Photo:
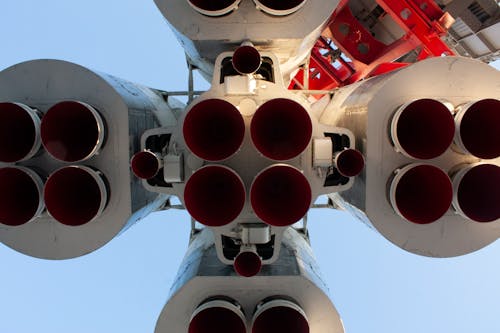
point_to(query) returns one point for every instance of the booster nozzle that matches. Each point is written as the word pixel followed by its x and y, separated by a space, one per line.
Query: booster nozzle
pixel 217 316
pixel 214 8
pixel 421 193
pixel 280 316
pixel 75 195
pixel 19 132
pixel 21 198
pixel 476 194
pixel 423 129
pixel 72 131
pixel 478 128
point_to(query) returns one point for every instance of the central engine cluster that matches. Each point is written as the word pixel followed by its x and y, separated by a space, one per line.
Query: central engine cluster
pixel 248 157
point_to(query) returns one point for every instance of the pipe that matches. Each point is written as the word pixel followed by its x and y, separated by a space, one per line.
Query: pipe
pixel 280 195
pixel 421 193
pixel 145 164
pixel 72 131
pixel 19 132
pixel 279 7
pixel 247 263
pixel 278 316
pixel 281 129
pixel 349 162
pixel 217 316
pixel 213 129
pixel 21 198
pixel 214 8
pixel 476 194
pixel 422 129
pixel 75 195
pixel 246 59
pixel 478 128
pixel 214 195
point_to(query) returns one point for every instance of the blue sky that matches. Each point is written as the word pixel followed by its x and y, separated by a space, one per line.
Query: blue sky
pixel 376 287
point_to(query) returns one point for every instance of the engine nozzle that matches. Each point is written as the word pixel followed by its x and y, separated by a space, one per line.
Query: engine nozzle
pixel 423 129
pixel 279 7
pixel 72 131
pixel 19 132
pixel 349 162
pixel 281 129
pixel 421 193
pixel 214 129
pixel 218 316
pixel 477 192
pixel 75 195
pixel 145 164
pixel 247 263
pixel 214 195
pixel 280 316
pixel 214 8
pixel 478 128
pixel 280 195
pixel 20 195
pixel 246 59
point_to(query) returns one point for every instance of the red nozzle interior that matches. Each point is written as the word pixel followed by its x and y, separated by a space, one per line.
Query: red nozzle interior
pixel 18 132
pixel 145 165
pixel 280 319
pixel 214 195
pixel 212 6
pixel 280 195
pixel 281 129
pixel 247 264
pixel 350 162
pixel 246 59
pixel 214 129
pixel 281 4
pixel 424 194
pixel 71 131
pixel 73 196
pixel 19 197
pixel 479 193
pixel 480 129
pixel 425 129
pixel 217 320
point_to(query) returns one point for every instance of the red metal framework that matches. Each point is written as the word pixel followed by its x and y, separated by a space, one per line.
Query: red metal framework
pixel 347 52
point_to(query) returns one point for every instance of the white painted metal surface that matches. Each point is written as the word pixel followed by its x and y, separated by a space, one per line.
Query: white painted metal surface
pixel 127 109
pixel 366 108
pixel 290 37
pixel 295 274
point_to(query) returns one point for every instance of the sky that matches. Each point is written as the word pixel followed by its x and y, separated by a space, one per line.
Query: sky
pixel 122 287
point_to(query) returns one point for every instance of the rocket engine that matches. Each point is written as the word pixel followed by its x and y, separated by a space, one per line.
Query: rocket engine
pixel 430 135
pixel 248 159
pixel 66 136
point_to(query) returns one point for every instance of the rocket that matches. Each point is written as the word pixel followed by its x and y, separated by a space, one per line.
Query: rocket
pixel 413 152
